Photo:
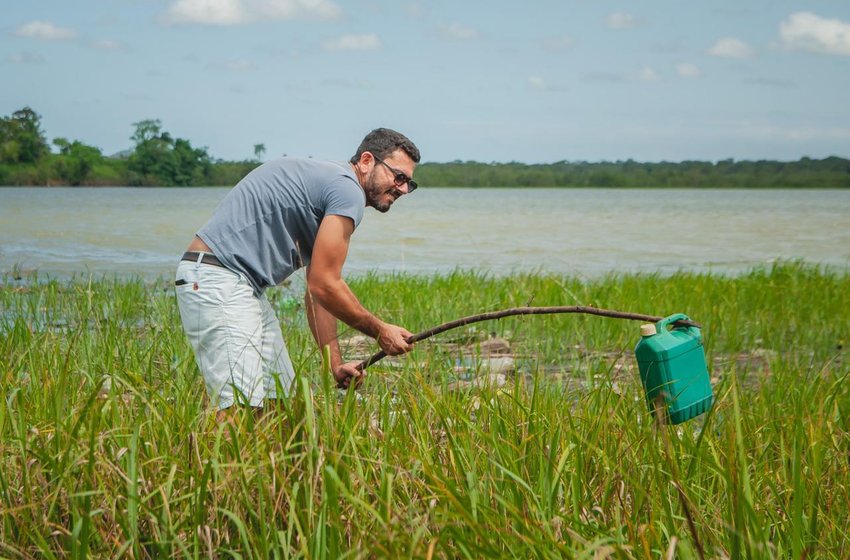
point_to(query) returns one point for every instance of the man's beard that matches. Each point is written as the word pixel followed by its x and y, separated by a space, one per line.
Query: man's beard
pixel 376 195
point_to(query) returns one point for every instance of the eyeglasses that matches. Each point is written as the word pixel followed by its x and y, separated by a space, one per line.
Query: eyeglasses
pixel 399 178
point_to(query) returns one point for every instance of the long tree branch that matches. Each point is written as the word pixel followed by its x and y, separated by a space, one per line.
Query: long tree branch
pixel 524 311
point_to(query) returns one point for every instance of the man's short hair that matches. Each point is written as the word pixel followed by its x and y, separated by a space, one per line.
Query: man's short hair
pixel 382 142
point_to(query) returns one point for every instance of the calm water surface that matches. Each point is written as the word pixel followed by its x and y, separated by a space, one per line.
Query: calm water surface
pixel 63 231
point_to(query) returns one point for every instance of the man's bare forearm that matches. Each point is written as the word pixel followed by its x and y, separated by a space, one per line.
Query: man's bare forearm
pixel 324 280
pixel 339 301
pixel 323 326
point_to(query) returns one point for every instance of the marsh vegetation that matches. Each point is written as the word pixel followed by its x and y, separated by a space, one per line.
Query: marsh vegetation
pixel 108 448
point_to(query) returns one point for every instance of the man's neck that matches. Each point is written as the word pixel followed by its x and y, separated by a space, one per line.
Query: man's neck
pixel 357 174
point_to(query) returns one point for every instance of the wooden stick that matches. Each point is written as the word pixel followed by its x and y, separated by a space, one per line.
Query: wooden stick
pixel 524 311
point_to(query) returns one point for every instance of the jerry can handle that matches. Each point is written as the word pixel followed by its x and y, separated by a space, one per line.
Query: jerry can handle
pixel 661 325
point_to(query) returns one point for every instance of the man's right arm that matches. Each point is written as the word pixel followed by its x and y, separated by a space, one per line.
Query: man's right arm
pixel 324 280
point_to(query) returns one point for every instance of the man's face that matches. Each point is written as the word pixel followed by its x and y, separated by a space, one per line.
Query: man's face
pixel 380 183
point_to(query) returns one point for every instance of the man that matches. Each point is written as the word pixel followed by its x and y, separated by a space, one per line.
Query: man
pixel 287 213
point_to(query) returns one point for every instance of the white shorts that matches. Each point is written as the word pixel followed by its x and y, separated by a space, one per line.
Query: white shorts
pixel 236 337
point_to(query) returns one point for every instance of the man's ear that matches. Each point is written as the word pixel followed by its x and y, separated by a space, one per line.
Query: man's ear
pixel 366 160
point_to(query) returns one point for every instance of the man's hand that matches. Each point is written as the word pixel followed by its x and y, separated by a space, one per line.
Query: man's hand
pixel 393 339
pixel 344 374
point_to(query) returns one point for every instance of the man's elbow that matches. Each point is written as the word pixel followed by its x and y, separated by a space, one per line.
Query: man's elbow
pixel 320 289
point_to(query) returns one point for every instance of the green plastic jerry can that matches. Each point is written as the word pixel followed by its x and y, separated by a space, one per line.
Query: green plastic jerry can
pixel 672 369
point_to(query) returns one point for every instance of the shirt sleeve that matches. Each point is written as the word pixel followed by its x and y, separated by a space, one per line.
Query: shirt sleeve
pixel 344 197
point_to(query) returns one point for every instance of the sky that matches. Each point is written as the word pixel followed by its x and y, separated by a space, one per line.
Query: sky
pixel 492 81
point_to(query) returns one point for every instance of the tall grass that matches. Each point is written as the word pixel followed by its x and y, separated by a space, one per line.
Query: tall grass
pixel 109 448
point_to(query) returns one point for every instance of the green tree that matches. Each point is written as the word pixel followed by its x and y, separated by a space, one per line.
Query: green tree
pixel 21 138
pixel 151 158
pixel 76 160
pixel 159 159
pixel 259 150
pixel 191 165
pixel 146 131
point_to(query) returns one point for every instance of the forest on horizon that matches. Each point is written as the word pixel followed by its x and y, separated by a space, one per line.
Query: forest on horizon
pixel 160 159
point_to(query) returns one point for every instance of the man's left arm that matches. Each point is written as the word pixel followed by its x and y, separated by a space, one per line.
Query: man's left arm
pixel 323 326
pixel 336 300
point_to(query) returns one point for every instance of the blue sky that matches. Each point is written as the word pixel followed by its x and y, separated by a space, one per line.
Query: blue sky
pixel 535 81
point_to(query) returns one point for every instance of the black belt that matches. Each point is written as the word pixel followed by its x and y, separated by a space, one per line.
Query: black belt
pixel 207 258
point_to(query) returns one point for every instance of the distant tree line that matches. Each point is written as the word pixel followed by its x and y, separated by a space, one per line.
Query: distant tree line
pixel 159 159
pixel 831 172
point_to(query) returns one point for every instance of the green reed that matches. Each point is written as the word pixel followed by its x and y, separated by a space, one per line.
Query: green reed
pixel 109 448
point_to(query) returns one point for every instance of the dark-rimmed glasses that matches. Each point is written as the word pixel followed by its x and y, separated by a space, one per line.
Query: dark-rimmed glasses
pixel 399 178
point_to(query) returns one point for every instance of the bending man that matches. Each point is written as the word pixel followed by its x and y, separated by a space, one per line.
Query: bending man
pixel 287 213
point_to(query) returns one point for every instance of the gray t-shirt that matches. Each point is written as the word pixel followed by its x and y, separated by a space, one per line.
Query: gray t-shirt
pixel 266 226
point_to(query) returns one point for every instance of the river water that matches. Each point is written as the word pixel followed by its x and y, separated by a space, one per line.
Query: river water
pixel 586 232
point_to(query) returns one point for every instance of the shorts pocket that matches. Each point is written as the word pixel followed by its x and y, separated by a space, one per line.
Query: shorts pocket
pixel 186 276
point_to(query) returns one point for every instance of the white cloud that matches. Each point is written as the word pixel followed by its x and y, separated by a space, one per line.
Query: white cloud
pixel 369 42
pixel 292 9
pixel 731 47
pixel 459 31
pixel 46 31
pixel 621 20
pixel 648 74
pixel 207 12
pixel 559 43
pixel 238 12
pixel 536 82
pixel 687 70
pixel 809 32
pixel 25 58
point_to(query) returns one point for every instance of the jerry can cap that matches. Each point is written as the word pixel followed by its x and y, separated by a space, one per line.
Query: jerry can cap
pixel 648 329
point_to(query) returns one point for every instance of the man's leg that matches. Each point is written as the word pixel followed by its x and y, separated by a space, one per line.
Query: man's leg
pixel 223 321
pixel 278 366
